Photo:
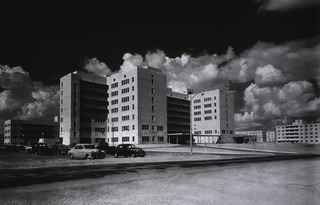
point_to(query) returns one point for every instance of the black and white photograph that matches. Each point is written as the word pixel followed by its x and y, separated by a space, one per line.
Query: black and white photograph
pixel 177 102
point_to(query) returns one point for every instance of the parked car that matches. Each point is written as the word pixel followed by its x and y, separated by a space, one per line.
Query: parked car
pixel 39 148
pixel 104 147
pixel 85 151
pixel 59 149
pixel 131 150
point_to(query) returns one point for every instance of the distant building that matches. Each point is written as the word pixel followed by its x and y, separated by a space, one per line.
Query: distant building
pixel 213 116
pixel 271 136
pixel 178 113
pixel 83 108
pixel 299 132
pixel 137 107
pixel 258 136
pixel 24 132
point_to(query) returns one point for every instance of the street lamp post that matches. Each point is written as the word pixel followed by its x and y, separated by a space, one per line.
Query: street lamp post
pixel 254 131
pixel 191 138
pixel 112 135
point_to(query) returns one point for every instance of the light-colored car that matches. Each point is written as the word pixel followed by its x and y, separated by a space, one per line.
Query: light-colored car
pixel 85 151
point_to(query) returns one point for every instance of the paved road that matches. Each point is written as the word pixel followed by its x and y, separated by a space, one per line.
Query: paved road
pixel 22 177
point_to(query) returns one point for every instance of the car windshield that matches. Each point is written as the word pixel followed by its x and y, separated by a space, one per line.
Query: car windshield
pixel 89 146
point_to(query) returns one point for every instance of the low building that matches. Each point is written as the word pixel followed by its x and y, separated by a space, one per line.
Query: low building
pixel 271 136
pixel 298 132
pixel 24 132
pixel 258 136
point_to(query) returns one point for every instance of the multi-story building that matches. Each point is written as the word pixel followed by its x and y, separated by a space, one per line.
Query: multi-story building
pixel 83 108
pixel 137 106
pixel 271 136
pixel 258 136
pixel 1 132
pixel 178 113
pixel 299 132
pixel 25 132
pixel 212 115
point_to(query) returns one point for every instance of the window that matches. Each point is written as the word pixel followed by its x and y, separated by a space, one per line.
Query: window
pixel 145 139
pixel 208 132
pixel 61 119
pixel 61 92
pixel 197 107
pixel 152 81
pixel 125 90
pixel 114 119
pixel 114 110
pixel 125 99
pixel 132 97
pixel 152 91
pixel 124 82
pixel 197 132
pixel 61 84
pixel 207 99
pixel 197 113
pixel 99 129
pixel 61 101
pixel 113 102
pixel 125 139
pixel 114 85
pixel 125 108
pixel 215 104
pixel 208 118
pixel 114 139
pixel 133 106
pixel 207 111
pixel 126 117
pixel 114 93
pixel 197 119
pixel 145 127
pixel 61 110
pixel 159 127
pixel 114 129
pixel 207 105
pixel 160 139
pixel 153 118
pixel 132 81
pixel 197 101
pixel 125 128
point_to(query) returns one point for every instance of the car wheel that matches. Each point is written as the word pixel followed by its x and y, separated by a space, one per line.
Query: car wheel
pixel 86 156
pixel 133 155
pixel 116 155
pixel 71 156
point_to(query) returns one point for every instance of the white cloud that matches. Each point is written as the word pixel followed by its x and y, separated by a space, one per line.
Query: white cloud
pixel 131 61
pixel 96 67
pixel 283 5
pixel 269 75
pixel 23 99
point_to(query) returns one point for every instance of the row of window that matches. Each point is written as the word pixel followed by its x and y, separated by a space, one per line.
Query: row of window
pixel 147 127
pixel 205 112
pixel 205 99
pixel 123 82
pixel 205 118
pixel 205 106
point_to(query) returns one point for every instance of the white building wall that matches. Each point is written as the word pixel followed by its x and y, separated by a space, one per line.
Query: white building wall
pixel 212 115
pixel 145 112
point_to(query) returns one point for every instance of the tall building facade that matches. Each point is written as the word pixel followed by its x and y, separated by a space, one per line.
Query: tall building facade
pixel 137 107
pixel 271 136
pixel 178 113
pixel 83 108
pixel 299 132
pixel 212 115
pixel 24 132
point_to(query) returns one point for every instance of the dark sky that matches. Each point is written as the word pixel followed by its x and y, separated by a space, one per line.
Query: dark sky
pixel 52 38
pixel 268 49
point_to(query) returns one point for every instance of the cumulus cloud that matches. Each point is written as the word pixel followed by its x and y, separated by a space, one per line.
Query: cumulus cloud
pixel 269 75
pixel 296 99
pixel 131 61
pixel 20 98
pixel 96 67
pixel 284 5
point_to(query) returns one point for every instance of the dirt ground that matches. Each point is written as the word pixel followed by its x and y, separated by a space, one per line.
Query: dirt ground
pixel 294 182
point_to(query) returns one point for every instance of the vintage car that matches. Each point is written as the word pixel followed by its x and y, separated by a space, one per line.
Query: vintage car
pixel 129 150
pixel 39 148
pixel 85 151
pixel 59 149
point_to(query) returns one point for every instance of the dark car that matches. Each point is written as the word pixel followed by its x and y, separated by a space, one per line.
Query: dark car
pixel 131 150
pixel 59 149
pixel 39 148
